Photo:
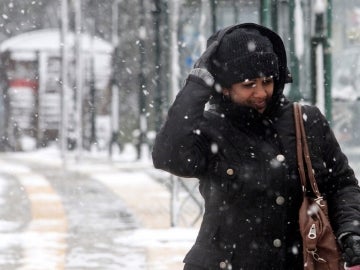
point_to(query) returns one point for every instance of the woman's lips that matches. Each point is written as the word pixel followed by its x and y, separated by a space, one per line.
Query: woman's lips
pixel 260 104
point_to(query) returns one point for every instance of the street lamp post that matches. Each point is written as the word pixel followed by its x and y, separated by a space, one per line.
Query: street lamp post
pixel 79 77
pixel 274 15
pixel 328 63
pixel 321 57
pixel 142 139
pixel 64 79
pixel 92 82
pixel 115 95
pixel 158 90
pixel 265 13
pixel 294 93
pixel 213 8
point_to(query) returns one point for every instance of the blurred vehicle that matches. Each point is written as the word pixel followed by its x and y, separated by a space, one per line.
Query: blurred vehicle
pixel 346 96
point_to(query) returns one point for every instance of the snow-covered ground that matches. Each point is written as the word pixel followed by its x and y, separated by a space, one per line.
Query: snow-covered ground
pixel 151 244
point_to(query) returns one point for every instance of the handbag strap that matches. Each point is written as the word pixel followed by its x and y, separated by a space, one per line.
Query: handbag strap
pixel 303 153
pixel 299 151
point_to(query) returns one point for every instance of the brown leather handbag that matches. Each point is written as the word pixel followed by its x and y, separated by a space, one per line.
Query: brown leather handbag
pixel 320 250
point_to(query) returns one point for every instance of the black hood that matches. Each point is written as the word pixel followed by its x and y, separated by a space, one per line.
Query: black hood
pixel 284 75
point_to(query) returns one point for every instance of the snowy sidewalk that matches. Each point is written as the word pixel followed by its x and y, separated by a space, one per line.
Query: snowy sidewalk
pixel 149 201
pixel 146 198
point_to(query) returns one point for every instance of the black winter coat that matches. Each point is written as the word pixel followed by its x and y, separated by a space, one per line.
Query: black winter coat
pixel 246 164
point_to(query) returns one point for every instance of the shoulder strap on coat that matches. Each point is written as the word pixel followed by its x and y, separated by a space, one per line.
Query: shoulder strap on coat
pixel 303 153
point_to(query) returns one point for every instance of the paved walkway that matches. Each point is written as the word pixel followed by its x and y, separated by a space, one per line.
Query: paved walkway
pixel 147 198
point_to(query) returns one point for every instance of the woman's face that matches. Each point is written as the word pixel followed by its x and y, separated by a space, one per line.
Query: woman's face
pixel 254 93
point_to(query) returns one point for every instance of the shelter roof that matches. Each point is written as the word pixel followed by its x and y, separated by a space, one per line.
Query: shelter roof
pixel 26 45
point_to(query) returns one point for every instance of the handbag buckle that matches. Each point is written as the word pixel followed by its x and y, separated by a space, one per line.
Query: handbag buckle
pixel 319 201
pixel 316 256
pixel 312 232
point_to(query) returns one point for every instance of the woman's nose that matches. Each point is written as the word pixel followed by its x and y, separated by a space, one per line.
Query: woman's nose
pixel 259 90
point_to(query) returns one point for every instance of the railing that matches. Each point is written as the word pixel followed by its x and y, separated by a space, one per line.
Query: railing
pixel 187 205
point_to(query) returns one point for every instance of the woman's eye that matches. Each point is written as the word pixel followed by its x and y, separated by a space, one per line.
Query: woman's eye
pixel 268 80
pixel 250 85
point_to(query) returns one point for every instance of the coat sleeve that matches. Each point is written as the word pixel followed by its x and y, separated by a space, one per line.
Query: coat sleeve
pixel 340 183
pixel 180 148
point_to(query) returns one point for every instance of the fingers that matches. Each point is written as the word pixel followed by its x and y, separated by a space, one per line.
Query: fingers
pixel 351 252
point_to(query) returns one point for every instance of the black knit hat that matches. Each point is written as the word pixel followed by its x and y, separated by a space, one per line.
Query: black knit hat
pixel 244 53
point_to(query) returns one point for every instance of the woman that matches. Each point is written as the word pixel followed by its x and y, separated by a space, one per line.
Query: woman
pixel 243 151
